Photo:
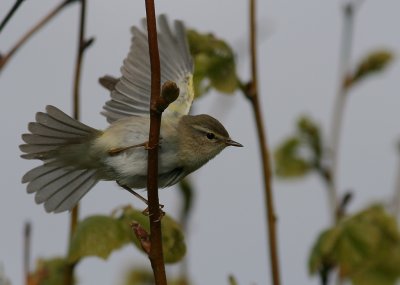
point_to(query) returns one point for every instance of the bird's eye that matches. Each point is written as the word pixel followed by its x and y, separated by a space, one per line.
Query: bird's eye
pixel 210 136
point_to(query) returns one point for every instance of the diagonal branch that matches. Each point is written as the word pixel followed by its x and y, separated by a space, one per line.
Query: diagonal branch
pixel 6 57
pixel 9 15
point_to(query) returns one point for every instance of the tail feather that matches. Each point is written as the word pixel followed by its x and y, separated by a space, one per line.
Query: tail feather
pixel 60 116
pixel 52 123
pixel 36 151
pixel 43 140
pixel 65 178
pixel 39 171
pixel 42 130
pixel 45 179
pixel 65 197
pixel 61 142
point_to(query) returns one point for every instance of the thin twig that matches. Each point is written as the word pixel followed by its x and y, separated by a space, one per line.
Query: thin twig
pixel 252 93
pixel 27 251
pixel 156 252
pixel 7 56
pixel 9 15
pixel 340 102
pixel 339 105
pixel 396 197
pixel 82 45
pixel 338 112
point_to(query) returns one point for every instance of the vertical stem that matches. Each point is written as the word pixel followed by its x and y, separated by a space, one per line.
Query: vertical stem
pixel 156 252
pixel 396 198
pixel 339 105
pixel 82 44
pixel 253 95
pixel 76 94
pixel 13 9
pixel 27 251
pixel 78 64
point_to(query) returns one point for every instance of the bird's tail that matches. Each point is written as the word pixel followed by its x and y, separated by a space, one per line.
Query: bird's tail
pixel 62 143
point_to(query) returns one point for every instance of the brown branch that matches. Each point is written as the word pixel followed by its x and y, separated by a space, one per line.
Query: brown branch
pixel 156 252
pixel 9 15
pixel 83 44
pixel 6 57
pixel 251 91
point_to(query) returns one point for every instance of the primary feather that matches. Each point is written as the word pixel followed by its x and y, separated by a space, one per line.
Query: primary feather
pixel 130 95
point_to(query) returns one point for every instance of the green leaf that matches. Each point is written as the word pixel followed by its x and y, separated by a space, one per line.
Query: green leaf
pixel 323 248
pixel 143 276
pixel 101 235
pixel 374 62
pixel 309 134
pixel 49 272
pixel 139 276
pixel 383 268
pixel 97 236
pixel 365 247
pixel 288 161
pixel 180 281
pixel 302 152
pixel 232 280
pixel 174 246
pixel 214 63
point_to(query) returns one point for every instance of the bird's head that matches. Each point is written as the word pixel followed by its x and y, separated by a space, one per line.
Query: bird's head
pixel 201 138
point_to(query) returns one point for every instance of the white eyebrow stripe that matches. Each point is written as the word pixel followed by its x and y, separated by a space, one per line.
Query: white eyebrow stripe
pixel 206 130
pixel 201 129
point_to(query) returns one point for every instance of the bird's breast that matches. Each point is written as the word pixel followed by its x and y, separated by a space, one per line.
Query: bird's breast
pixel 130 166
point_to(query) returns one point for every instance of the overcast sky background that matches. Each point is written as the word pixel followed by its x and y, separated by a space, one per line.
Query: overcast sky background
pixel 298 60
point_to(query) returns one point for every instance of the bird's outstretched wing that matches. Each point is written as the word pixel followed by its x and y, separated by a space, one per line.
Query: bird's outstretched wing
pixel 130 94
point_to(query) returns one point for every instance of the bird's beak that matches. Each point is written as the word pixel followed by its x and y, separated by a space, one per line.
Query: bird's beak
pixel 233 143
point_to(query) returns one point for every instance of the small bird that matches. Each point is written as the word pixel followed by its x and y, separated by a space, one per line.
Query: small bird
pixel 75 156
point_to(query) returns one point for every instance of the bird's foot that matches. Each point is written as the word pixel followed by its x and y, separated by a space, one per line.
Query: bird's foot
pixel 146 212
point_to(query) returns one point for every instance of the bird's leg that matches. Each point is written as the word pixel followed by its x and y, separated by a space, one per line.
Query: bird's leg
pixel 118 150
pixel 134 193
pixel 140 197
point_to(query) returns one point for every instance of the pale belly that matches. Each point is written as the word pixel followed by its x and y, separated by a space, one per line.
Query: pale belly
pixel 130 166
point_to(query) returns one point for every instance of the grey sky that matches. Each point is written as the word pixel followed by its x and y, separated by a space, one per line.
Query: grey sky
pixel 298 74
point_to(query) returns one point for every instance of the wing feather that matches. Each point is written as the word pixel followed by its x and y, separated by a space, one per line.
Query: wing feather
pixel 130 96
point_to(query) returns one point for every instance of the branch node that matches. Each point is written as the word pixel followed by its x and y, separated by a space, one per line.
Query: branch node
pixel 86 44
pixel 249 90
pixel 169 93
pixel 344 203
pixel 142 235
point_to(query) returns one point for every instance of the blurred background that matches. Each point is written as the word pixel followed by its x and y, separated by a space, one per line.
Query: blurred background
pixel 298 63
